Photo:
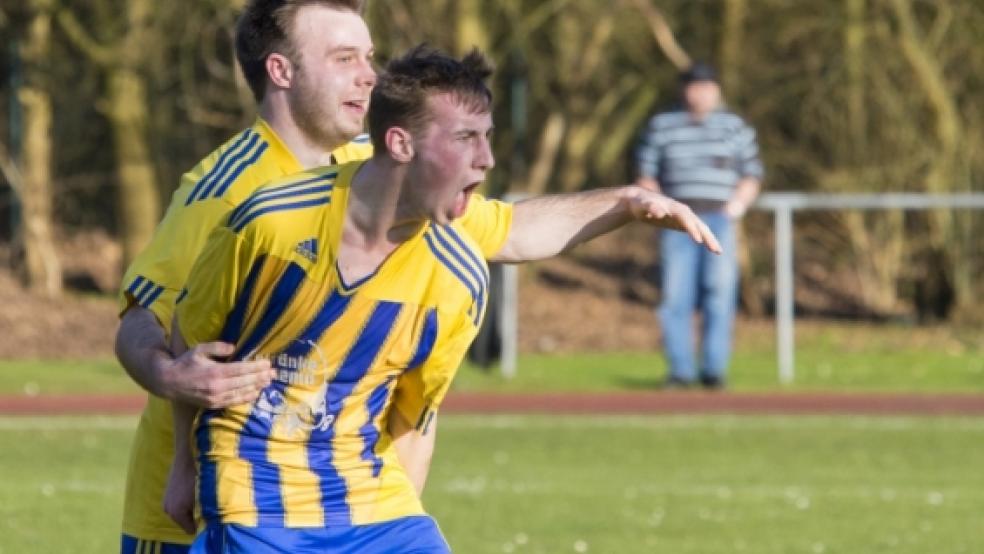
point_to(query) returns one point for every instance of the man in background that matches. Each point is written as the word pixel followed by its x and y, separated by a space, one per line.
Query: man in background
pixel 308 64
pixel 706 157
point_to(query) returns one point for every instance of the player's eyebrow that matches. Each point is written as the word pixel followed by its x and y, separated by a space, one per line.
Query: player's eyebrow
pixel 348 49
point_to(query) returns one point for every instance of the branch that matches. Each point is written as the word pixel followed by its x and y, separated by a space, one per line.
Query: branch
pixel 662 33
pixel 97 53
pixel 10 171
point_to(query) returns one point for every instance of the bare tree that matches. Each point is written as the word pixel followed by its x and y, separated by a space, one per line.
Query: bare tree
pixel 31 176
pixel 125 105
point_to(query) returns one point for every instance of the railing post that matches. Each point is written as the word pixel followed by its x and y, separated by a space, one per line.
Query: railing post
pixel 784 291
pixel 509 320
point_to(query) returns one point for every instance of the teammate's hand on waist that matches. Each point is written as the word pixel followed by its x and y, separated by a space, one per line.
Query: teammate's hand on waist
pixel 197 377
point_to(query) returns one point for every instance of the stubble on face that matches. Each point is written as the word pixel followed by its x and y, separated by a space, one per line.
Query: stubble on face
pixel 320 88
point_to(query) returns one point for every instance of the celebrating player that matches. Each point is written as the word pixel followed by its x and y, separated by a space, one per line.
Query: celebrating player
pixel 363 284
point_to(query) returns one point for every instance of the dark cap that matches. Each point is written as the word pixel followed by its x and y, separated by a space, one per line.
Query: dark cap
pixel 698 71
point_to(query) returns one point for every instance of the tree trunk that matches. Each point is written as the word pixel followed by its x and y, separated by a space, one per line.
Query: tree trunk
pixel 732 43
pixel 126 98
pixel 139 199
pixel 928 74
pixel 551 138
pixel 42 267
pixel 471 31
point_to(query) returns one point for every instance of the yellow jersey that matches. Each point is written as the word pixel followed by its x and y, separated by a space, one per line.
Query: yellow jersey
pixel 313 450
pixel 205 196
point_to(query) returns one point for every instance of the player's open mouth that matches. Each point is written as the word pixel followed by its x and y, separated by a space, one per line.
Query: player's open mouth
pixel 461 202
pixel 356 105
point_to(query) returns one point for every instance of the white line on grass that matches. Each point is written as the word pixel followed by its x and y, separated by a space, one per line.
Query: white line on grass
pixel 714 422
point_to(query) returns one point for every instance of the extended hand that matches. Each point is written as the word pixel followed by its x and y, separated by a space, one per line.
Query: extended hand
pixel 195 377
pixel 179 496
pixel 654 208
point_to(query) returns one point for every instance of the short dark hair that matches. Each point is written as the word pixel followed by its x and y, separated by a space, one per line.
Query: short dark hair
pixel 400 96
pixel 698 72
pixel 265 27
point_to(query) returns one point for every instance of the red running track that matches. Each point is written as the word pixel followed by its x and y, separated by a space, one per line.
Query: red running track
pixel 591 403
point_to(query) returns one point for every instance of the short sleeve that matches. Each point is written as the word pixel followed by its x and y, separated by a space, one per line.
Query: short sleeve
pixel 487 222
pixel 155 278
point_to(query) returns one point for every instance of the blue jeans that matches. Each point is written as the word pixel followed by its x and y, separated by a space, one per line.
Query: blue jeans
pixel 696 279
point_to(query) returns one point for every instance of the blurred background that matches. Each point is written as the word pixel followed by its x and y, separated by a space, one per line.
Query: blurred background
pixel 105 103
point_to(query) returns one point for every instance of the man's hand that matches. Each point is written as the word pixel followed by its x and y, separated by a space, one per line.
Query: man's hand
pixel 196 378
pixel 193 377
pixel 179 496
pixel 662 211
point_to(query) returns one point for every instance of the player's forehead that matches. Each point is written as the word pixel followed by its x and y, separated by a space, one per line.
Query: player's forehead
pixel 455 112
pixel 322 27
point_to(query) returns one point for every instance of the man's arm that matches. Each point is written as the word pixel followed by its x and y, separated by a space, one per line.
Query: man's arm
pixel 746 190
pixel 413 448
pixel 548 225
pixel 648 183
pixel 179 496
pixel 193 377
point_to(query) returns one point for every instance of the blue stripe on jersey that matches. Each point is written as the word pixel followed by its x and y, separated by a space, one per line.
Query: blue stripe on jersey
pixel 370 431
pixel 477 288
pixel 428 336
pixel 136 283
pixel 239 170
pixel 139 295
pixel 221 163
pixel 251 147
pixel 280 208
pixel 149 301
pixel 184 292
pixel 233 327
pixel 476 268
pixel 361 139
pixel 357 363
pixel 253 438
pixel 468 252
pixel 208 479
pixel 292 190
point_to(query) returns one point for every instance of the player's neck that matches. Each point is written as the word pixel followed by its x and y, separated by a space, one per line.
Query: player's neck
pixel 375 200
pixel 308 153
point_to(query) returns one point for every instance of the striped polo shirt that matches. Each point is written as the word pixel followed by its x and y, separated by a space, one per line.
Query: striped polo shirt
pixel 697 160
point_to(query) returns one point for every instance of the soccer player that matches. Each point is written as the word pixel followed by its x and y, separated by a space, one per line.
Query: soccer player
pixel 363 284
pixel 308 63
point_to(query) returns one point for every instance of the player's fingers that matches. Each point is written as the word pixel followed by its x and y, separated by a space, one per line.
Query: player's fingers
pixel 241 395
pixel 711 241
pixel 251 368
pixel 215 349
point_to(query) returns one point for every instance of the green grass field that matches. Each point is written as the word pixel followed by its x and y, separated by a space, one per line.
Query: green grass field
pixel 681 484
pixel 829 356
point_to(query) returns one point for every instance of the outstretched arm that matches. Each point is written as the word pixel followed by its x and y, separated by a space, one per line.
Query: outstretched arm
pixel 548 225
pixel 199 380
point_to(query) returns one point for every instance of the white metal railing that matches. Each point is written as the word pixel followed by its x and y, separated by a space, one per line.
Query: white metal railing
pixel 782 204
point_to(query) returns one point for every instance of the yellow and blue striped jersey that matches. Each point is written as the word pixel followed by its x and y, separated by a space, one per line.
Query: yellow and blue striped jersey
pixel 204 198
pixel 313 450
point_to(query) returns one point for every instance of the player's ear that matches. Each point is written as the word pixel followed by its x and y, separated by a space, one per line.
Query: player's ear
pixel 279 70
pixel 399 143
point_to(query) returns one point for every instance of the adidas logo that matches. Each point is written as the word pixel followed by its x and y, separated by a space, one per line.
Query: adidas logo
pixel 309 249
